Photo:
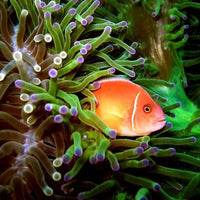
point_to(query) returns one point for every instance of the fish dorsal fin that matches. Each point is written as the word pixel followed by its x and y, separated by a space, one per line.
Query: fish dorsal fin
pixel 134 110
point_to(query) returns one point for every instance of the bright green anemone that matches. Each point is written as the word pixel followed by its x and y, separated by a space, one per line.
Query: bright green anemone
pixel 52 54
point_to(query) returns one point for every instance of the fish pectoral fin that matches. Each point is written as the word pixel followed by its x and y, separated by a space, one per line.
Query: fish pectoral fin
pixel 112 120
pixel 112 116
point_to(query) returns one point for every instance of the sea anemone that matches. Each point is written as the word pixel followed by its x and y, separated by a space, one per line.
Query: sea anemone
pixel 52 55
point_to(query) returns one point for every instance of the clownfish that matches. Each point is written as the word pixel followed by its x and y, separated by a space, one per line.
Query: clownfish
pixel 127 108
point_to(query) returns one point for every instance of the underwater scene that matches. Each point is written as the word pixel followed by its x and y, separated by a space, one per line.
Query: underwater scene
pixel 99 100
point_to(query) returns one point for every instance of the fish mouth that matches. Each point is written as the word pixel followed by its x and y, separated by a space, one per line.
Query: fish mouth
pixel 162 120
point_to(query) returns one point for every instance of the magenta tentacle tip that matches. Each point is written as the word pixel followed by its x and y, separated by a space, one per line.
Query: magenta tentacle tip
pixel 42 4
pixel 179 104
pixel 74 112
pixel 108 29
pixel 66 159
pixel 165 100
pixel 142 60
pixel 100 157
pixel 173 18
pixel 132 74
pixel 83 51
pixel 80 59
pixel 88 46
pixel 72 25
pixel 145 162
pixel 63 110
pixel 116 167
pixel 135 44
pixel 67 177
pixel 55 24
pixel 185 84
pixel 186 36
pixel 169 125
pixel 155 96
pixel 153 14
pixel 185 17
pixel 132 51
pixel 84 22
pixel 57 7
pixel 112 70
pixel 19 84
pixel 108 22
pixel 186 26
pixel 143 198
pixel 193 139
pixel 93 160
pixel 96 3
pixel 110 47
pixel 144 145
pixel 97 84
pixel 53 73
pixel 80 196
pixel 58 118
pixel 47 15
pixel 113 134
pixel 154 150
pixel 124 24
pixel 72 11
pixel 89 18
pixel 139 150
pixel 156 187
pixel 172 151
pixel 33 98
pixel 78 152
pixel 173 85
pixel 77 43
pixel 62 188
pixel 48 107
pixel 142 66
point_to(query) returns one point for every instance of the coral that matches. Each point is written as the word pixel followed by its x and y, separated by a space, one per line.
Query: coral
pixel 52 54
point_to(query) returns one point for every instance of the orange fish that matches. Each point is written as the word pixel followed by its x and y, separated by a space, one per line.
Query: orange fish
pixel 128 108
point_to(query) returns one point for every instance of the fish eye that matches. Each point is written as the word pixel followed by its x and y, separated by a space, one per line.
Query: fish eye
pixel 147 109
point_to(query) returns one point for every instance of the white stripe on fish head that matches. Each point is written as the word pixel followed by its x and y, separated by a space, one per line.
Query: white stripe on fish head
pixel 134 110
